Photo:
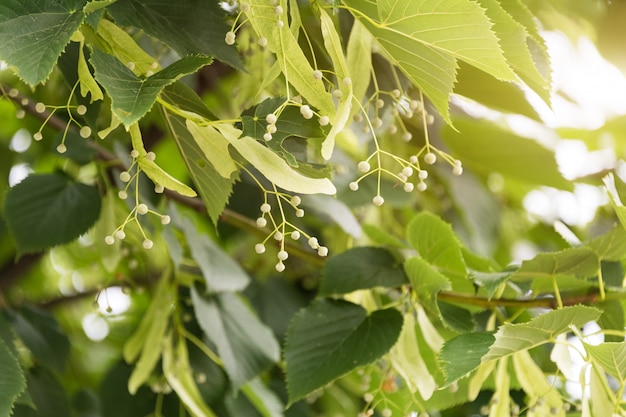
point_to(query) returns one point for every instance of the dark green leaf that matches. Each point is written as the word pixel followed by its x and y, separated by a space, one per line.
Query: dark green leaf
pixel 613 274
pixel 246 346
pixel 41 334
pixel 78 148
pixel 221 273
pixel 457 318
pixel 612 318
pixel 463 354
pixel 186 99
pixel 214 189
pixel 47 393
pixel 46 210
pixel 34 34
pixel 487 148
pixel 12 382
pixel 361 268
pixel 188 26
pixel 426 281
pixel 332 337
pixel 131 96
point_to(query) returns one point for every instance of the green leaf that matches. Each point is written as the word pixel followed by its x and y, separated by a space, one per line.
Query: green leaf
pixel 188 26
pixel 612 319
pixel 579 262
pixel 361 268
pixel 273 167
pixel 48 395
pixel 12 383
pixel 481 147
pixel 290 125
pixel 436 243
pixel 611 356
pixel 186 99
pixel 264 399
pixel 179 375
pixel 131 96
pixel 221 273
pixel 535 384
pixel 148 337
pixel 426 281
pixel 616 202
pixel 456 318
pixel 462 354
pixel 214 189
pixel 41 334
pixel 610 246
pixel 491 281
pixel 34 34
pixel 46 210
pixel 511 338
pixel 331 338
pixel 246 346
pixel 425 39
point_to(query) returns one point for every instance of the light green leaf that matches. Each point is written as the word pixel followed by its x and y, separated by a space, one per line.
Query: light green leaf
pixel 35 33
pixel 514 42
pixel 616 202
pixel 147 339
pixel 96 5
pixel 406 359
pixel 462 354
pixel 487 148
pixel 131 96
pixel 152 170
pixel 424 39
pixel 46 210
pixel 87 83
pixel 246 346
pixel 610 246
pixel 289 56
pixel 502 407
pixel 511 338
pixel 214 189
pixel 534 383
pixel 121 45
pixel 436 243
pixel 179 375
pixel 602 396
pixel 264 399
pixel 220 271
pixel 12 383
pixel 359 61
pixel 188 26
pixel 361 268
pixel 273 167
pixel 214 146
pixel 611 356
pixel 579 262
pixel 330 338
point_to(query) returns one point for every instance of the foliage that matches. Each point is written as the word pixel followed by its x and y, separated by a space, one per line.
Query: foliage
pixel 303 210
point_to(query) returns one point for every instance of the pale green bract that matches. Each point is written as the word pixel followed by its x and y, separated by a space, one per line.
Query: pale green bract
pixel 214 147
pixel 273 167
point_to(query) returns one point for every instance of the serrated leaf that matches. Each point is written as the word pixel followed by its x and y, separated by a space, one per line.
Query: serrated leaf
pixel 491 281
pixel 179 375
pixel 12 383
pixel 456 318
pixel 131 96
pixel 361 268
pixel 188 26
pixel 148 337
pixel 462 354
pixel 34 34
pixel 273 167
pixel 221 273
pixel 425 39
pixel 40 332
pixel 246 346
pixel 406 359
pixel 46 210
pixel 214 189
pixel 436 243
pixel 579 262
pixel 330 338
pixel 152 170
pixel 611 356
pixel 495 149
pixel 426 281
pixel 511 338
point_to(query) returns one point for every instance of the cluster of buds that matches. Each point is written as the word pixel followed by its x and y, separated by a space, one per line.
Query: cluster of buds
pixel 131 177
